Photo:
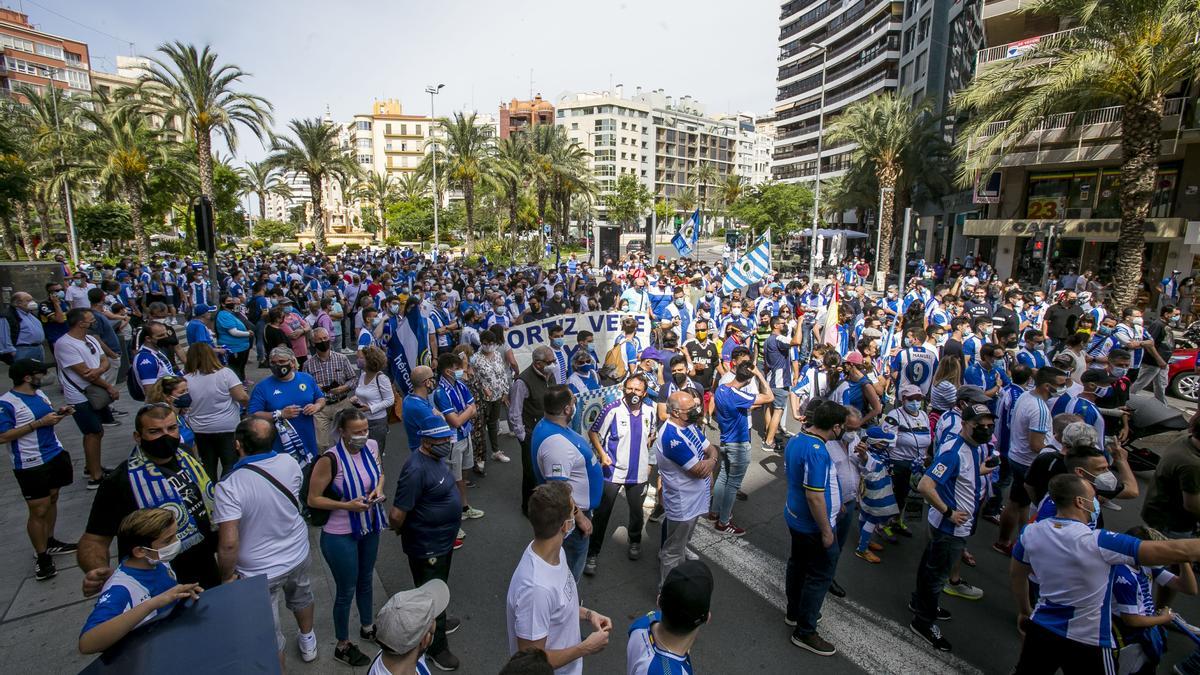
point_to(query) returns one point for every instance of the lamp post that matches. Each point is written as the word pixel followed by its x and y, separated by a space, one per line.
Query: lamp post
pixel 812 254
pixel 878 281
pixel 70 214
pixel 433 91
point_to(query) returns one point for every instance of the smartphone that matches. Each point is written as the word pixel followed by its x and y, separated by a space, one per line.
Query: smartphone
pixel 992 461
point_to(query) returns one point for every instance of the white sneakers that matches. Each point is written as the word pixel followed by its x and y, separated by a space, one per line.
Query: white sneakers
pixel 308 647
pixel 500 457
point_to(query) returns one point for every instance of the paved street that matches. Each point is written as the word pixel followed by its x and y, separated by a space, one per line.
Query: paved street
pixel 40 621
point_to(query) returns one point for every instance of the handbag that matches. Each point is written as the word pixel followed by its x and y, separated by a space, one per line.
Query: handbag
pixel 97 397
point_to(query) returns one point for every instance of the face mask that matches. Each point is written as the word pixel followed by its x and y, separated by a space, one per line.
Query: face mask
pixel 912 407
pixel 908 342
pixel 31 306
pixel 441 450
pixel 183 401
pixel 1107 484
pixel 1119 372
pixel 982 434
pixel 557 343
pixel 321 346
pixel 1104 330
pixel 701 335
pixel 679 302
pixel 1058 391
pixel 634 400
pixel 166 553
pixel 394 308
pixel 679 378
pixel 488 349
pixel 169 340
pixel 585 368
pixel 695 415
pixel 160 448
pixel 1018 306
pixel 570 528
pixel 62 295
pixel 459 374
pixel 357 442
pixel 1094 510
pixel 941 339
pixel 280 371
pixel 708 296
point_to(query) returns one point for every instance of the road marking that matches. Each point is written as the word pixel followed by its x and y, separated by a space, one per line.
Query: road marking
pixel 862 636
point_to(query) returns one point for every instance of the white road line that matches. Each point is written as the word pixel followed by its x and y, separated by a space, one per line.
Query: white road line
pixel 865 638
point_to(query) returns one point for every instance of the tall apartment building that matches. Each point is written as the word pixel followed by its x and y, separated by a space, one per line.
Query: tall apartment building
pixel 850 49
pixel 1065 174
pixel 517 116
pixel 755 143
pixel 388 141
pixel 38 60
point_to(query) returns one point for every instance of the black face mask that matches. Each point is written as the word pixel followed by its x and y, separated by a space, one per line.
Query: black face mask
pixel 982 434
pixel 168 340
pixel 695 415
pixel 679 378
pixel 633 400
pixel 281 371
pixel 162 447
pixel 321 346
pixel 441 450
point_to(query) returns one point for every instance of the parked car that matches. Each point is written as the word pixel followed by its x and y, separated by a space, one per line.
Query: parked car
pixel 635 246
pixel 1182 377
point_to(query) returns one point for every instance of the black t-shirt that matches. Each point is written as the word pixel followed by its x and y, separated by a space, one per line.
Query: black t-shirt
pixel 274 337
pixel 1060 321
pixel 1045 466
pixel 977 310
pixel 1164 341
pixel 704 358
pixel 425 491
pixel 953 349
pixel 114 500
pixel 1003 317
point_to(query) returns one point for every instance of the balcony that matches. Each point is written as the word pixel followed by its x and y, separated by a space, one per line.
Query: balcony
pixel 995 8
pixel 793 7
pixel 1026 47
pixel 1090 118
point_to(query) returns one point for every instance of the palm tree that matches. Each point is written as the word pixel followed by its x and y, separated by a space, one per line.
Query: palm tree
pixel 120 152
pixel 190 85
pixel 1131 53
pixel 16 184
pixel 380 190
pixel 706 176
pixel 885 129
pixel 467 147
pixel 412 186
pixel 730 191
pixel 685 200
pixel 263 180
pixel 312 150
pixel 509 171
pixel 50 120
pixel 571 176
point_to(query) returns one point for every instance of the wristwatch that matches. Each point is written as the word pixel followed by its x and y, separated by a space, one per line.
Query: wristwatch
pixel 948 512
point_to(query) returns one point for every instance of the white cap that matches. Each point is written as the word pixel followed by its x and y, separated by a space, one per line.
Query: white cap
pixel 407 616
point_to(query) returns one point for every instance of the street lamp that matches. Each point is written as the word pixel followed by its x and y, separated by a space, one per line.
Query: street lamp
pixel 433 91
pixel 70 215
pixel 812 254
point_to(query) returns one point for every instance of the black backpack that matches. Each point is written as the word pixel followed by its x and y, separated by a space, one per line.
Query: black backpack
pixel 253 310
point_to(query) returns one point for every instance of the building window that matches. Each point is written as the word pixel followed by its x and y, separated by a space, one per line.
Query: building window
pixel 365 143
pixel 923 28
pixel 78 79
pixel 364 159
pixel 403 129
pixel 919 69
pixel 8 41
pixel 1092 194
pixel 574 126
pixel 904 70
pixel 387 128
pixel 49 50
pixel 363 125
pixel 417 132
pixel 908 41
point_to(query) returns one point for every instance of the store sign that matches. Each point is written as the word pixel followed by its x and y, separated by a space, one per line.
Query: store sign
pixel 1020 47
pixel 987 188
pixel 1093 229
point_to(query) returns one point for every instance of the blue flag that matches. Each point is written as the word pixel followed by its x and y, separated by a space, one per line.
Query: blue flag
pixel 407 340
pixel 688 235
pixel 749 268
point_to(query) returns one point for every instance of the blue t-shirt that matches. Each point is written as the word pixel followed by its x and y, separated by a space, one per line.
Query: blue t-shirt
pixel 808 467
pixel 129 587
pixel 419 415
pixel 426 491
pixel 225 321
pixel 559 453
pixel 732 410
pixel 274 394
pixel 151 365
pixel 647 657
pixel 35 449
pixel 198 332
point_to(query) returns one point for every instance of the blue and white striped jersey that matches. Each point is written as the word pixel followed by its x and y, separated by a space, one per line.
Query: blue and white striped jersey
pixel 960 486
pixel 35 448
pixel 915 366
pixel 626 439
pixel 1075 568
pixel 644 656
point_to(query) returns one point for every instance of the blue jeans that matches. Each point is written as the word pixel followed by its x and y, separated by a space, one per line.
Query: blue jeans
pixel 352 562
pixel 809 572
pixel 575 546
pixel 735 459
pixel 260 344
pixel 30 352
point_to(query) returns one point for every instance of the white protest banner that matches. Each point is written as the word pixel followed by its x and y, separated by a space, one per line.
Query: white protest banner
pixel 605 326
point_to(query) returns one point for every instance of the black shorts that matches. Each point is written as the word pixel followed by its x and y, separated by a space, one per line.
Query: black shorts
pixel 1017 493
pixel 90 421
pixel 38 481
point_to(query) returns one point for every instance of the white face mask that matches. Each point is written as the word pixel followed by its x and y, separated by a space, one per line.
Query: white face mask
pixel 166 553
pixel 31 306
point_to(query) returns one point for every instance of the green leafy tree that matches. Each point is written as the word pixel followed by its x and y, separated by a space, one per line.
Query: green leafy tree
pixel 781 207
pixel 685 200
pixel 50 120
pixel 380 190
pixel 312 149
pixel 263 181
pixel 190 85
pixel 1131 53
pixel 706 182
pixel 509 170
pixel 628 201
pixel 274 231
pixel 467 146
pixel 411 220
pixel 105 221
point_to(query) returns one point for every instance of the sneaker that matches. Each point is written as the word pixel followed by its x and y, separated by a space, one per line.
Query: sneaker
pixel 589 566
pixel 367 632
pixel 470 483
pixel 690 554
pixel 93 484
pixel 729 529
pixel 814 643
pixel 443 661
pixel 1111 506
pixel 992 518
pixel 943 614
pixel 458 543
pixel 44 568
pixel 452 624
pixel 308 648
pixel 962 590
pixel 479 470
pixel 461 534
pixel 501 457
pixel 790 621
pixel 869 557
pixel 903 530
pixel 742 496
pixel 711 516
pixel 114 423
pixel 635 551
pixel 119 413
pixel 836 589
pixel 351 656
pixel 1003 549
pixel 889 534
pixel 875 547
pixel 656 516
pixel 471 513
pixel 56 547
pixel 932 635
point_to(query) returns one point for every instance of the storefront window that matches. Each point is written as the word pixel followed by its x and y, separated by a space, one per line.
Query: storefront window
pixel 1093 194
pixel 1108 202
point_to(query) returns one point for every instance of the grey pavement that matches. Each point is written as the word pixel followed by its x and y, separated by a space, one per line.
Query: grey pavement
pixel 39 622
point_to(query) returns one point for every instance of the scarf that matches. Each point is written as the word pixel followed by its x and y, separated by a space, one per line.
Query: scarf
pixel 350 487
pixel 153 489
pixel 290 441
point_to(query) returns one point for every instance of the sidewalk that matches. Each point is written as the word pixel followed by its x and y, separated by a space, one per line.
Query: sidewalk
pixel 40 620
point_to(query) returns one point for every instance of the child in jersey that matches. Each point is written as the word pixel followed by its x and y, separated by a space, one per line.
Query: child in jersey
pixel 876 501
pixel 143 588
pixel 1139 626
pixel 660 641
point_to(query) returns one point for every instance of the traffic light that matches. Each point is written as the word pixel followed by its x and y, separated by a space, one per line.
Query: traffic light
pixel 206 239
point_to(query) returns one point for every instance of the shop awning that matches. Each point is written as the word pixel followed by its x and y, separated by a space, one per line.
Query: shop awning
pixel 1157 229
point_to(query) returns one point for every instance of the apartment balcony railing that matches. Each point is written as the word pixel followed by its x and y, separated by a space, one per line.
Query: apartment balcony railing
pixel 793 7
pixel 1108 115
pixel 847 93
pixel 1020 47
pixel 808 18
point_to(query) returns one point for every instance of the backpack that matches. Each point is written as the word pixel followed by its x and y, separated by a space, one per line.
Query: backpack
pixel 253 310
pixel 615 359
pixel 134 385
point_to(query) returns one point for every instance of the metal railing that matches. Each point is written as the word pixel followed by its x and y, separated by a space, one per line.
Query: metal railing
pixel 1107 115
pixel 793 7
pixel 847 93
pixel 1000 52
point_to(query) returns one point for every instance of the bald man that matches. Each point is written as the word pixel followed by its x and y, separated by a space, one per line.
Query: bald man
pixel 685 462
pixel 336 378
pixel 418 405
pixel 526 409
pixel 25 332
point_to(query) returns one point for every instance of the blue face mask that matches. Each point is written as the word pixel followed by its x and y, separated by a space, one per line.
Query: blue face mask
pixel 557 343
pixel 679 302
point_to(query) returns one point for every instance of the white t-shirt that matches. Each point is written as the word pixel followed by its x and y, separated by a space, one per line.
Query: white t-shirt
pixel 213 410
pixel 558 457
pixel 77 296
pixel 70 351
pixel 1030 414
pixel 543 602
pixel 272 537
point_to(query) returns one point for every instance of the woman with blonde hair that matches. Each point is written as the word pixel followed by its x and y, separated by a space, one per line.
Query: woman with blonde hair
pixel 373 393
pixel 172 390
pixel 217 397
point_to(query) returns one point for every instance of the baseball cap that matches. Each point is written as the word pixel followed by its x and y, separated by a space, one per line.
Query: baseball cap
pixel 650 353
pixel 880 435
pixel 1097 376
pixel 872 333
pixel 1064 361
pixel 407 616
pixel 972 394
pixel 23 367
pixel 855 357
pixel 976 411
pixel 201 309
pixel 686 594
pixel 909 390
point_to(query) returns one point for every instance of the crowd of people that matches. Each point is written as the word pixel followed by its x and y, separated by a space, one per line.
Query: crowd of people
pixel 966 400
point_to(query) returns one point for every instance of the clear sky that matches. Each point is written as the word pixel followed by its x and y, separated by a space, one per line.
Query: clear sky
pixel 304 55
